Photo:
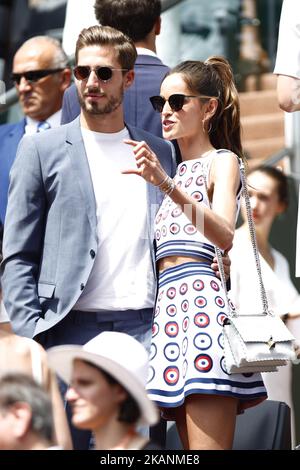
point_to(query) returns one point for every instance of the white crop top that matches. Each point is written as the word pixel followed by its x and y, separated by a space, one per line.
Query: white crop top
pixel 174 232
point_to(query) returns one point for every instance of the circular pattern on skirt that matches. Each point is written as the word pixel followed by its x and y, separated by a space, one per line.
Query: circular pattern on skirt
pixel 197 195
pixel 155 329
pixel 198 285
pixel 151 374
pixel 171 375
pixel 190 229
pixel 171 292
pixel 153 351
pixel 202 341
pixel 171 329
pixel 171 352
pixel 214 286
pixel 203 363
pixel 184 368
pixel 185 324
pixel 183 288
pixel 185 344
pixel 172 310
pixel 182 169
pixel 221 317
pixel 174 229
pixel 176 212
pixel 200 301
pixel 202 320
pixel 220 302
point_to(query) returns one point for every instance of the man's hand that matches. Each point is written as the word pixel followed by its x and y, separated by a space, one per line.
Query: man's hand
pixel 226 264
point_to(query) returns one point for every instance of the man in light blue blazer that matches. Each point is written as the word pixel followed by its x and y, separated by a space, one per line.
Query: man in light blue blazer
pixel 71 265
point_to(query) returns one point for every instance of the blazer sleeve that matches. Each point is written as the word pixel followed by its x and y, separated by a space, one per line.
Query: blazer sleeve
pixel 70 106
pixel 23 239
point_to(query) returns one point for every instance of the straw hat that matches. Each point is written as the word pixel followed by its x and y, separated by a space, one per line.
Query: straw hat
pixel 118 354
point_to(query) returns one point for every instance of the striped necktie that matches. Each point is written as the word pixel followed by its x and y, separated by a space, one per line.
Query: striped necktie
pixel 43 126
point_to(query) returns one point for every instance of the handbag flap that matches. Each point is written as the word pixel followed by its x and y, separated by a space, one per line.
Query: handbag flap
pixel 253 328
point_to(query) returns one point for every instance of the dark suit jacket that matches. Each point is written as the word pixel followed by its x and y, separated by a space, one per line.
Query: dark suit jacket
pixel 50 235
pixel 10 136
pixel 149 73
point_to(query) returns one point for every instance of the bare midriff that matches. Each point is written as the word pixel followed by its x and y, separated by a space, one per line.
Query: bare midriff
pixel 176 260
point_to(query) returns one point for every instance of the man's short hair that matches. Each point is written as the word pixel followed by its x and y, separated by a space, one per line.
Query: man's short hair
pixel 135 18
pixel 20 388
pixel 108 37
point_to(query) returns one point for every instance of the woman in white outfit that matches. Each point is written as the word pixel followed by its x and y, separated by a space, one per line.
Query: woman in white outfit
pixel 268 190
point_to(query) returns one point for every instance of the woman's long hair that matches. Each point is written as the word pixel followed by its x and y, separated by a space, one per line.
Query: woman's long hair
pixel 214 78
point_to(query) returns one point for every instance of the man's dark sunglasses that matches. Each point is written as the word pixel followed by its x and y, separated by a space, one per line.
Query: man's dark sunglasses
pixel 33 75
pixel 175 101
pixel 82 72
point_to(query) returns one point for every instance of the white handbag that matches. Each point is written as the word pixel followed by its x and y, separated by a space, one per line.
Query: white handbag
pixel 259 342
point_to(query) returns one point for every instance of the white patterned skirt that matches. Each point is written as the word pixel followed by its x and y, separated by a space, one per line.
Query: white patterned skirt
pixel 187 352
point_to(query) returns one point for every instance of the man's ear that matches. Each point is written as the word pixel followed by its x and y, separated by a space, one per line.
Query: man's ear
pixel 157 26
pixel 22 418
pixel 66 76
pixel 128 79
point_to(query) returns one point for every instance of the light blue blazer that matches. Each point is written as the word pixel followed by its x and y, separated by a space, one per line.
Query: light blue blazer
pixel 50 232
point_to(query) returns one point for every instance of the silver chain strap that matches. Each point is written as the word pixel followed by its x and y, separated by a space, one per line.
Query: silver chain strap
pixel 263 295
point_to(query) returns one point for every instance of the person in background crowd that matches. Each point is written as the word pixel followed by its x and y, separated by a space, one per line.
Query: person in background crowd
pixel 287 65
pixel 41 75
pixel 26 356
pixel 26 421
pixel 107 378
pixel 268 191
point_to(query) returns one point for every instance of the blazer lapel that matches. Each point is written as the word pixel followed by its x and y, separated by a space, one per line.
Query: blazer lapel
pixel 80 163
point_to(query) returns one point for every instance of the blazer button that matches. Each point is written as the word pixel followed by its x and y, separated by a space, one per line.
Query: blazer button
pixel 81 286
pixel 92 253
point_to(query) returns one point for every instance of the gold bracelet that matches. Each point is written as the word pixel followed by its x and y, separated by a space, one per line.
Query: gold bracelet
pixel 163 181
pixel 167 186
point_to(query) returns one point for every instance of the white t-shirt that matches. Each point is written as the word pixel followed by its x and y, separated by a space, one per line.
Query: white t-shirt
pixel 122 277
pixel 288 51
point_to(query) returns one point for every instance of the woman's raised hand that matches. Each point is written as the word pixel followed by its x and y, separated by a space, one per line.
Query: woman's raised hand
pixel 148 165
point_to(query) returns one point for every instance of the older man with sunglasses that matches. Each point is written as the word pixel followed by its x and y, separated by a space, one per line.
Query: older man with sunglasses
pixel 41 75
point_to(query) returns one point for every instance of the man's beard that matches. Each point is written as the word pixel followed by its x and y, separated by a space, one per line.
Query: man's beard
pixel 95 108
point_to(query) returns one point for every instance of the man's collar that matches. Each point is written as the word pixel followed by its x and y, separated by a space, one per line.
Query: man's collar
pixel 144 51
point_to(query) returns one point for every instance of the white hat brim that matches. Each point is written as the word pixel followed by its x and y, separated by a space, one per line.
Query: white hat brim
pixel 61 360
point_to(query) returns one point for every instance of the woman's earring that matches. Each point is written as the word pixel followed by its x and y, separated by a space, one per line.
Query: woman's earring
pixel 208 131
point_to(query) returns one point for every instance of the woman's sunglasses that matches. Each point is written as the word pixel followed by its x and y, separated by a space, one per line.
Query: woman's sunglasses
pixel 33 75
pixel 82 72
pixel 175 101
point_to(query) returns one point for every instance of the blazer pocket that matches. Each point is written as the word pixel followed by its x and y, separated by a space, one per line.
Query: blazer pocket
pixel 46 290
